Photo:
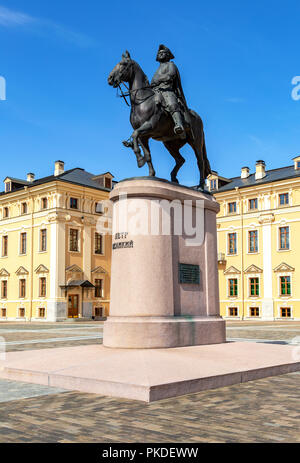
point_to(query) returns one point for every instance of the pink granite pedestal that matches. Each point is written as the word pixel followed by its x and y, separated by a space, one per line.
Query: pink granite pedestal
pixel 159 227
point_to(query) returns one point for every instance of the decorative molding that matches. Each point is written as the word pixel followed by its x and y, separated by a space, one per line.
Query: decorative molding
pixel 266 218
pixel 58 217
pixel 253 269
pixel 4 273
pixel 284 268
pixel 232 271
pixel 99 270
pixel 74 269
pixel 22 271
pixel 41 269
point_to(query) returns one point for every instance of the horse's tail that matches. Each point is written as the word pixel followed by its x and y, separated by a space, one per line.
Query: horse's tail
pixel 199 141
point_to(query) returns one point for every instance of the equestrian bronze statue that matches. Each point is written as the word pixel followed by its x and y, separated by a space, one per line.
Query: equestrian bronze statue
pixel 159 111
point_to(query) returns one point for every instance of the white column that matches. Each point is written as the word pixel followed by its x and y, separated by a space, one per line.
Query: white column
pixel 56 302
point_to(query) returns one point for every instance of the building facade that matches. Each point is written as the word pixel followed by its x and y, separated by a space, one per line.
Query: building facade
pixel 258 243
pixel 55 258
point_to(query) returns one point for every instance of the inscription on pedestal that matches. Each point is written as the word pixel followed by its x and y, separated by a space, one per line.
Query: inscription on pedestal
pixel 122 244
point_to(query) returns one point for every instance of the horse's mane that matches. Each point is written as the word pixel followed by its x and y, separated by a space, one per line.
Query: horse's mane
pixel 144 75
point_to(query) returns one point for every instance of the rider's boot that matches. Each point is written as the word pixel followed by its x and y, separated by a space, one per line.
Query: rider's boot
pixel 178 121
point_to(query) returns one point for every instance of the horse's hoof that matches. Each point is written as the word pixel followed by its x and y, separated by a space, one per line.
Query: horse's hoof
pixel 128 144
pixel 141 162
pixel 174 180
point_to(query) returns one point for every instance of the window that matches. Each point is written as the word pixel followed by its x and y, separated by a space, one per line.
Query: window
pixel 284 199
pixel 42 312
pixel 232 243
pixel 22 288
pixel 43 240
pixel 107 182
pixel 298 164
pixel 98 243
pixel 44 203
pixel 233 311
pixel 99 208
pixel 24 208
pixel 43 287
pixel 232 208
pixel 23 243
pixel 213 184
pixel 3 313
pixel 253 204
pixel 4 289
pixel 73 203
pixel 4 246
pixel 7 187
pixel 21 313
pixel 5 212
pixel 74 241
pixel 285 312
pixel 254 286
pixel 253 241
pixel 254 312
pixel 233 287
pixel 285 286
pixel 98 288
pixel 284 238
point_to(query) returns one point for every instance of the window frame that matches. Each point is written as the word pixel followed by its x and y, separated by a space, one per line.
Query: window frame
pixel 4 251
pixel 287 238
pixel 235 208
pixel 286 286
pixel 77 203
pixel 281 309
pixel 43 208
pixel 1 312
pixel 99 288
pixel 6 212
pixel 256 286
pixel 256 243
pixel 257 309
pixel 228 244
pixel 21 252
pixel 72 229
pixel 4 289
pixel 24 208
pixel 96 236
pixel 233 284
pixel 42 287
pixel 21 288
pixel 250 202
pixel 233 308
pixel 42 230
pixel 285 195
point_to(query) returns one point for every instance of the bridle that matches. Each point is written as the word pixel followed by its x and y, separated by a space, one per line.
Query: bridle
pixel 131 92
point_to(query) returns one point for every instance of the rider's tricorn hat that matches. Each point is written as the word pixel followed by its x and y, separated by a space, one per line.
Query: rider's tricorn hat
pixel 163 47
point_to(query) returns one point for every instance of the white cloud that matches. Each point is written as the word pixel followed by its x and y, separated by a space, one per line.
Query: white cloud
pixel 40 26
pixel 13 18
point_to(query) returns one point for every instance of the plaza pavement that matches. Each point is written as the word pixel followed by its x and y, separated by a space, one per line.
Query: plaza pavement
pixel 267 410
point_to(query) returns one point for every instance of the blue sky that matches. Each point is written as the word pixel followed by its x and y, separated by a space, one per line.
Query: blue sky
pixel 237 60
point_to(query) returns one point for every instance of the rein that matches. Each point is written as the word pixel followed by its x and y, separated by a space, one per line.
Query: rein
pixel 131 92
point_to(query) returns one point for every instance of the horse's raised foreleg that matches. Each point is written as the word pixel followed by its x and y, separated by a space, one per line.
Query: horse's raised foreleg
pixel 173 147
pixel 144 142
pixel 137 136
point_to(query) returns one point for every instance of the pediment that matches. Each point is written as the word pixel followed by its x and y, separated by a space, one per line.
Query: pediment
pixel 99 270
pixel 22 271
pixel 4 273
pixel 41 269
pixel 74 269
pixel 253 269
pixel 232 271
pixel 284 268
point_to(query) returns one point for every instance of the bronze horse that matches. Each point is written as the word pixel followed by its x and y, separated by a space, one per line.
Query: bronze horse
pixel 150 120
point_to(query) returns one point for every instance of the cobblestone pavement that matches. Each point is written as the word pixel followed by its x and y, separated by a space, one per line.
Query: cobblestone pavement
pixel 266 410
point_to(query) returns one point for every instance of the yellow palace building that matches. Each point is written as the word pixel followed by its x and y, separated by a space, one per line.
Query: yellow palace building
pixel 259 242
pixel 54 262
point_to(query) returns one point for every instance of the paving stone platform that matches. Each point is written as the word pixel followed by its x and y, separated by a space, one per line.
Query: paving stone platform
pixel 150 374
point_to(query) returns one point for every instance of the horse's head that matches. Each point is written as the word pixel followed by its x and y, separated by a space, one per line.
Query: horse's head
pixel 122 71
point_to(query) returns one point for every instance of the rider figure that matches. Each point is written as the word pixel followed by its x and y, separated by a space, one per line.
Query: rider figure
pixel 167 82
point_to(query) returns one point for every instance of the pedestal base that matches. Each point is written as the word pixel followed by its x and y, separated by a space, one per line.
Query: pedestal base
pixel 162 332
pixel 149 374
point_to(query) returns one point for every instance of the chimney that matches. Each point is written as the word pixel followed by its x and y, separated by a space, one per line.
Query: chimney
pixel 30 177
pixel 59 168
pixel 245 172
pixel 260 170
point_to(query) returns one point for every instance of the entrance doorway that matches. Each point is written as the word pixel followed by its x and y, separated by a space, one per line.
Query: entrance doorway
pixel 73 306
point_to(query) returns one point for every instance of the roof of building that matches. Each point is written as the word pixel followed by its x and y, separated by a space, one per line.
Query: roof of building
pixel 76 176
pixel 274 175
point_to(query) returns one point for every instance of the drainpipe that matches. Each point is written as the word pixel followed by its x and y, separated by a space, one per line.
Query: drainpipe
pixel 242 253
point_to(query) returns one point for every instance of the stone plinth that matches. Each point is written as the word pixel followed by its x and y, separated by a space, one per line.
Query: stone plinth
pixel 164 278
